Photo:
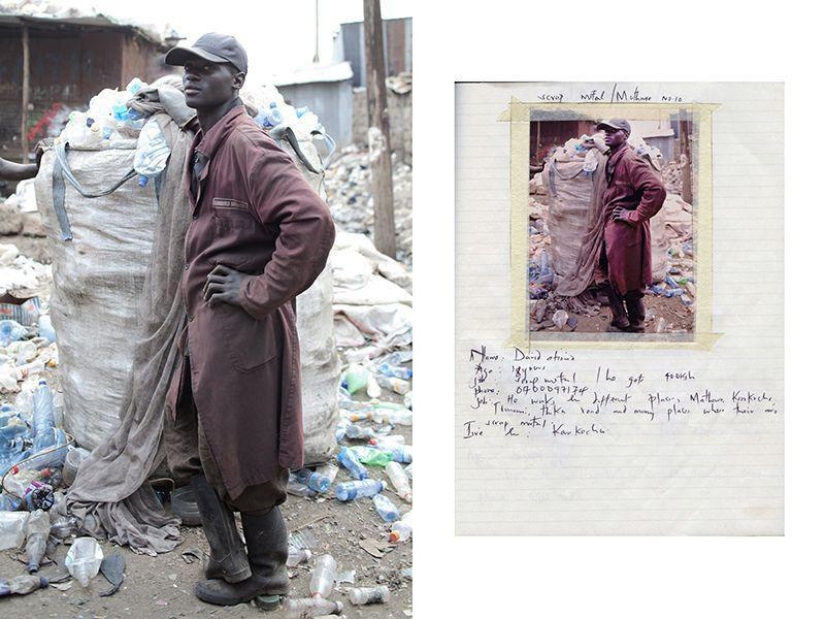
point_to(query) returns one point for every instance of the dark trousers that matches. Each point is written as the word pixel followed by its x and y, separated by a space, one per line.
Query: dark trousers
pixel 188 454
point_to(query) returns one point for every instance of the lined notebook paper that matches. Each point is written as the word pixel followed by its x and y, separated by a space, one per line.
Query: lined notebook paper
pixel 576 433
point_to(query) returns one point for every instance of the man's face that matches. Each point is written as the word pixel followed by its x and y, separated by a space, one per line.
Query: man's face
pixel 208 84
pixel 614 137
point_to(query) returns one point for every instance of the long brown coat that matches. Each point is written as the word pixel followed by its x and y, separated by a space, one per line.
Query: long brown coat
pixel 633 185
pixel 254 212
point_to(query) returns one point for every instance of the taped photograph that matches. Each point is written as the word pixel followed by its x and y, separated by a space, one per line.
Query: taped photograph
pixel 611 224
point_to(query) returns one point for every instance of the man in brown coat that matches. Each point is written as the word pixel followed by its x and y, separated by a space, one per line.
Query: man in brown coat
pixel 633 195
pixel 259 237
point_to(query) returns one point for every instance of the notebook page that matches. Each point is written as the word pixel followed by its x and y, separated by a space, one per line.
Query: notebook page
pixel 568 432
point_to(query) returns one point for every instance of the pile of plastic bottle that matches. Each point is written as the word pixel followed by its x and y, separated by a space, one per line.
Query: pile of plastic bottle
pixel 366 439
pixel 108 119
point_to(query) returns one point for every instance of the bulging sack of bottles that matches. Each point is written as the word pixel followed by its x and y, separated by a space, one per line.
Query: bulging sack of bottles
pixel 100 215
pixel 100 247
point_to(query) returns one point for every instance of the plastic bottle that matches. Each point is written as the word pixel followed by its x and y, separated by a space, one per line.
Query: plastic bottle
pixel 359 432
pixel 350 490
pixel 319 480
pixel 45 328
pixel 9 503
pixel 402 453
pixel 369 595
pixel 409 471
pixel 395 417
pixel 21 585
pixel 323 576
pixel 394 371
pixel 11 331
pixel 297 556
pixel 398 385
pixel 329 472
pixel 151 153
pixel 83 559
pixel 408 399
pixel 385 508
pixel 43 415
pixel 371 456
pixel 301 608
pixel 64 526
pixel 352 464
pixel 399 480
pixel 355 378
pixel 385 443
pixel 37 535
pixel 402 529
pixel 17 481
pixel 12 529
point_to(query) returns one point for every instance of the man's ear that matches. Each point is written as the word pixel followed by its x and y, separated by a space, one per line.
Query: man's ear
pixel 238 80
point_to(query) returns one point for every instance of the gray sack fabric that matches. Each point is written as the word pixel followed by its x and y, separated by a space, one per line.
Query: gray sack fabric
pixel 580 275
pixel 110 494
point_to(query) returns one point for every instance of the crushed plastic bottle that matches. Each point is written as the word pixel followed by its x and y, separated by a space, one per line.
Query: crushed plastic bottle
pixel 385 508
pixel 152 152
pixel 354 432
pixel 369 595
pixel 37 534
pixel 297 556
pixel 399 385
pixel 301 608
pixel 64 527
pixel 395 417
pixel 401 453
pixel 355 378
pixel 11 331
pixel 393 371
pixel 323 576
pixel 83 559
pixel 350 490
pixel 319 480
pixel 43 417
pixel 402 529
pixel 351 462
pixel 398 478
pixel 22 585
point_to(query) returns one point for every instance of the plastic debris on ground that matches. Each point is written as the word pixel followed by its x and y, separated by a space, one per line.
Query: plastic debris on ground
pixel 351 202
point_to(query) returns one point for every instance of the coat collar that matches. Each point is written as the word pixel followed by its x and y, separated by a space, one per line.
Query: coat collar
pixel 209 142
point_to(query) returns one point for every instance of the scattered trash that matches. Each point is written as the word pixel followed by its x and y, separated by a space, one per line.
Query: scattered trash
pixel 22 585
pixel 297 556
pixel 399 480
pixel 301 608
pixel 12 529
pixel 402 530
pixel 37 534
pixel 385 508
pixel 376 548
pixel 349 459
pixel 369 595
pixel 323 576
pixel 350 490
pixel 113 568
pixel 190 555
pixel 83 559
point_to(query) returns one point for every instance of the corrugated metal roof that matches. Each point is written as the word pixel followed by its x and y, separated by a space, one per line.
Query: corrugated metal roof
pixel 39 14
pixel 314 74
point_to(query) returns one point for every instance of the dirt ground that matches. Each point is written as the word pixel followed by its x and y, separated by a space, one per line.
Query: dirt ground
pixel 663 315
pixel 163 586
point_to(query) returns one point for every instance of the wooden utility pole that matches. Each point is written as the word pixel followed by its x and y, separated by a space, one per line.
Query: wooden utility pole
pixel 380 152
pixel 687 175
pixel 24 115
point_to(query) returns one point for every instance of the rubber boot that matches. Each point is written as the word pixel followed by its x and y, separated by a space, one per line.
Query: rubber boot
pixel 267 548
pixel 635 311
pixel 620 321
pixel 227 557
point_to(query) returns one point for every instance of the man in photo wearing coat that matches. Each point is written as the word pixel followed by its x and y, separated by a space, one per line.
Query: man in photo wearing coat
pixel 633 195
pixel 259 236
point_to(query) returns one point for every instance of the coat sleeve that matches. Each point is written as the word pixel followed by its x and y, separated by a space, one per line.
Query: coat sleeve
pixel 646 182
pixel 302 227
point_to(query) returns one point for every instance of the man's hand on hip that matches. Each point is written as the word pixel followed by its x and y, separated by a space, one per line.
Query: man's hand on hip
pixel 223 285
pixel 621 214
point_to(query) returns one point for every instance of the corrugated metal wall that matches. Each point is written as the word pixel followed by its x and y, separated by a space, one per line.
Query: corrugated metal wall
pixel 397 48
pixel 331 102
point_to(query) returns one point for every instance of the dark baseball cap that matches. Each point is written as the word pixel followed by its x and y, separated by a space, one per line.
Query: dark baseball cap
pixel 213 47
pixel 615 123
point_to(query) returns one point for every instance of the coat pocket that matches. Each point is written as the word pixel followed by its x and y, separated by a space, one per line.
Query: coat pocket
pixel 230 214
pixel 250 344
